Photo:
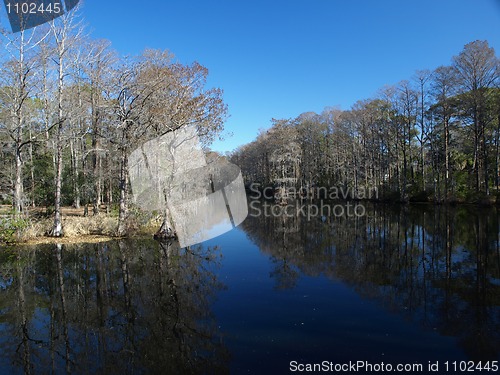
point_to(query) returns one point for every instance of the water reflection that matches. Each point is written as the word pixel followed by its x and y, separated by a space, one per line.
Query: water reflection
pixel 439 267
pixel 124 307
pixel 147 307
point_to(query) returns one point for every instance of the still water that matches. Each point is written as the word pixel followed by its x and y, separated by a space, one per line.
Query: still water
pixel 401 285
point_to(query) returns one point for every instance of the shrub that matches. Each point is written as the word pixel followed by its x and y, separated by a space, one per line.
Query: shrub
pixel 421 196
pixel 11 228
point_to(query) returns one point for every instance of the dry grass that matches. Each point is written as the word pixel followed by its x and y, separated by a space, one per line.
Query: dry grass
pixel 68 240
pixel 40 211
pixel 84 228
pixel 79 228
pixel 90 225
pixel 35 229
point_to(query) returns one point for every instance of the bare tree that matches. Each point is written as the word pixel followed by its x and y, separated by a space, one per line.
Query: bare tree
pixel 422 78
pixel 98 64
pixel 156 96
pixel 66 32
pixel 17 75
pixel 130 97
pixel 443 89
pixel 477 69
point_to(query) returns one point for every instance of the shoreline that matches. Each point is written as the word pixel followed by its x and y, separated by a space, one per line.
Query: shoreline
pixel 71 240
pixel 85 230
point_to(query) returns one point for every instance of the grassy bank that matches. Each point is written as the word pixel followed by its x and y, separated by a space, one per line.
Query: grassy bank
pixel 33 227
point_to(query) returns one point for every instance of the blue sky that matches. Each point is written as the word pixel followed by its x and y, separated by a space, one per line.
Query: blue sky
pixel 278 59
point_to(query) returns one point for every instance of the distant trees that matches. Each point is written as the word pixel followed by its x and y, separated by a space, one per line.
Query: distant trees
pixel 443 91
pixel 436 137
pixel 477 70
pixel 17 86
pixel 71 110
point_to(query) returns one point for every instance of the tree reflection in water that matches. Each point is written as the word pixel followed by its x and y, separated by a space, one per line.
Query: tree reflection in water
pixel 437 266
pixel 146 307
pixel 118 307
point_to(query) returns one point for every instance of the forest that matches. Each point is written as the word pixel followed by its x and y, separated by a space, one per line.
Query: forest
pixel 72 110
pixel 432 138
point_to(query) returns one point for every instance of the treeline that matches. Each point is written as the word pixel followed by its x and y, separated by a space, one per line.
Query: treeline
pixel 434 137
pixel 72 109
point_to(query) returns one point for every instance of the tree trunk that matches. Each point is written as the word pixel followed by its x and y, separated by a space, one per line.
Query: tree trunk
pixel 18 184
pixel 20 95
pixel 486 164
pixel 166 230
pixel 477 155
pixel 96 159
pixel 97 178
pixel 75 175
pixel 422 138
pixel 497 156
pixel 446 155
pixel 57 229
pixel 32 174
pixel 123 213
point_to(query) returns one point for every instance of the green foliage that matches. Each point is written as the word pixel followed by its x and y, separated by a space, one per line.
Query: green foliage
pixel 43 194
pixel 11 227
pixel 139 217
pixel 67 186
pixel 463 181
pixel 422 196
pixel 390 196
pixel 479 197
pixel 5 199
pixel 115 210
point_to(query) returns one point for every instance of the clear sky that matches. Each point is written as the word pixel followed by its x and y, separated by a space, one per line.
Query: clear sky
pixel 280 58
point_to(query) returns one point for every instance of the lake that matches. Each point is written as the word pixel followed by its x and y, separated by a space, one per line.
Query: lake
pixel 408 285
